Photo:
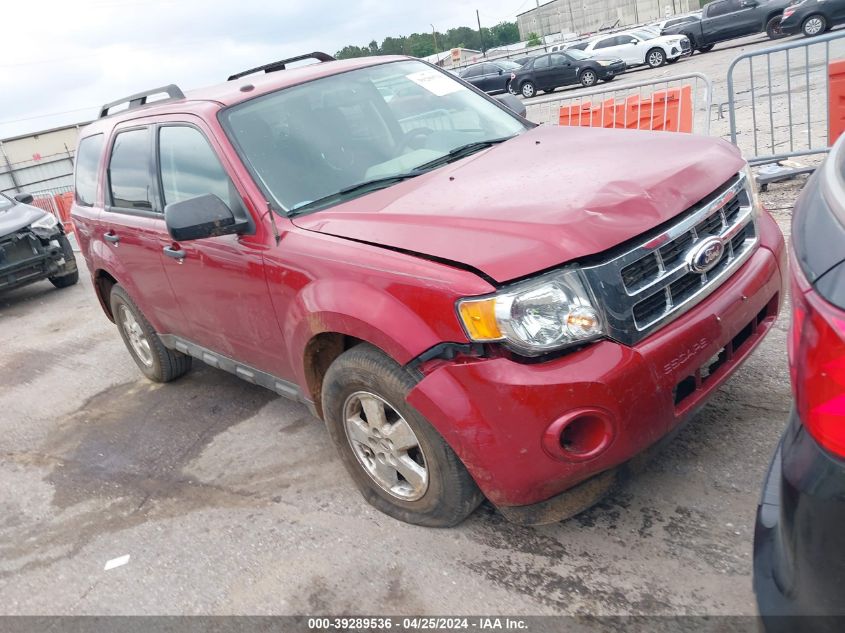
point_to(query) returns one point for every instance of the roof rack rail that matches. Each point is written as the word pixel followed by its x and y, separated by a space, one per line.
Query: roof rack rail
pixel 137 100
pixel 280 65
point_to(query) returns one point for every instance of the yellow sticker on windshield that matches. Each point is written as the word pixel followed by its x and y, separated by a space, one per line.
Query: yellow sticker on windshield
pixel 436 82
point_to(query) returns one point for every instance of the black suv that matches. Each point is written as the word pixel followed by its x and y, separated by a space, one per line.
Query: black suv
pixel 33 246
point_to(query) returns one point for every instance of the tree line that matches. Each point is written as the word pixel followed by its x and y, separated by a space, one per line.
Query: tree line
pixel 423 44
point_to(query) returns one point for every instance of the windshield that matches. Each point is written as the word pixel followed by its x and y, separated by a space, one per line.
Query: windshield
pixel 312 142
pixel 646 34
pixel 574 53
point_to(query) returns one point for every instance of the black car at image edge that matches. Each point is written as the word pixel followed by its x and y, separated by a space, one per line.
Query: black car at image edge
pixel 812 17
pixel 491 77
pixel 799 543
pixel 33 246
pixel 548 72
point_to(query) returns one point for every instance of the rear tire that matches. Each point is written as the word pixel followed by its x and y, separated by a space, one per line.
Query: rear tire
pixel 655 58
pixel 528 89
pixel 706 49
pixel 373 426
pixel 773 28
pixel 155 361
pixel 549 91
pixel 814 25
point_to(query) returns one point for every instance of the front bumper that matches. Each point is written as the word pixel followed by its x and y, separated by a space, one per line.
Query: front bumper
pixel 495 412
pixel 26 258
pixel 799 553
pixel 791 25
pixel 611 71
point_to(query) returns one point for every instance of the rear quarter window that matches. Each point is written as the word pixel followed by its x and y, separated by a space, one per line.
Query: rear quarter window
pixel 87 165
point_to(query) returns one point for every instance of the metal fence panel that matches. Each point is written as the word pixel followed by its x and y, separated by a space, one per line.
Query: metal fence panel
pixel 778 98
pixel 546 110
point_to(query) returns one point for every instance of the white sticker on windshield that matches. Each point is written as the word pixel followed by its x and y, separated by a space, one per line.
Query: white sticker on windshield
pixel 435 82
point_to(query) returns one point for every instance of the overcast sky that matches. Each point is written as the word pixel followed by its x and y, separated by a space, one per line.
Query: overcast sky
pixel 64 58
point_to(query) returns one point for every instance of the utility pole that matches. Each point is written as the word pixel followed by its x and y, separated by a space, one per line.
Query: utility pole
pixel 480 34
pixel 434 33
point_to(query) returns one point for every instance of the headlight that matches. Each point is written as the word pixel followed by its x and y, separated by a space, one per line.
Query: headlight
pixel 47 223
pixel 536 316
pixel 604 62
pixel 751 191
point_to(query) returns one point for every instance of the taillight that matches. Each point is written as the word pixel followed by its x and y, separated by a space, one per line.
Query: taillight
pixel 817 364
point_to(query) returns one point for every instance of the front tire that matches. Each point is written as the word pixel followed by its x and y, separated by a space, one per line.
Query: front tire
pixel 814 25
pixel 588 78
pixel 66 279
pixel 655 58
pixel 398 461
pixel 706 49
pixel 155 361
pixel 528 89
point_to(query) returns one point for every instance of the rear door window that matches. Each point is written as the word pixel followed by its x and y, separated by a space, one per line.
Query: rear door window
pixel 87 169
pixel 130 173
pixel 541 63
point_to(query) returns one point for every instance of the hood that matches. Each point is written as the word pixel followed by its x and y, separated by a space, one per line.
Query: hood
pixel 17 217
pixel 548 196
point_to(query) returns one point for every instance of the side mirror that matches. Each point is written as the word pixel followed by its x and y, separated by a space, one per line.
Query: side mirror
pixel 512 103
pixel 24 198
pixel 501 72
pixel 200 217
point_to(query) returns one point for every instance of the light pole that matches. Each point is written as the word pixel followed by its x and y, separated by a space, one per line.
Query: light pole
pixel 434 34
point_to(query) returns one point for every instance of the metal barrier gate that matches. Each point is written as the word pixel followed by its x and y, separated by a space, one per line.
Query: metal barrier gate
pixel 547 109
pixel 801 93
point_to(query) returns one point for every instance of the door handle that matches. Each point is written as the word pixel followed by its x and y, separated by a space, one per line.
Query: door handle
pixel 111 237
pixel 176 253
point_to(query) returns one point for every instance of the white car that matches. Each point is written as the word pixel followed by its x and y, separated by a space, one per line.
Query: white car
pixel 640 47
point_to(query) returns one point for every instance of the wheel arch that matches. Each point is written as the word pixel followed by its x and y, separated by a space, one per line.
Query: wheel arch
pixel 328 317
pixel 103 283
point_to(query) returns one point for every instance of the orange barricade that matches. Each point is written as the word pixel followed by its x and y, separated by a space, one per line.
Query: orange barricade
pixel 666 110
pixel 836 99
pixel 63 202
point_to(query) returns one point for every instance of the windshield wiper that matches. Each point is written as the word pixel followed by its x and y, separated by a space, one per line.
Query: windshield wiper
pixel 462 152
pixel 359 188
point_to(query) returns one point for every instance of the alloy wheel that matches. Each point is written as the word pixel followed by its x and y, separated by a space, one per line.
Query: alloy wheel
pixel 136 337
pixel 655 59
pixel 385 446
pixel 814 26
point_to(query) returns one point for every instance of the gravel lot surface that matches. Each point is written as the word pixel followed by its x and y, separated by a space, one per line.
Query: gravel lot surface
pixel 229 500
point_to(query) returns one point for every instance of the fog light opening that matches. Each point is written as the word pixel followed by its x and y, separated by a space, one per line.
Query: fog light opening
pixel 580 435
pixel 585 435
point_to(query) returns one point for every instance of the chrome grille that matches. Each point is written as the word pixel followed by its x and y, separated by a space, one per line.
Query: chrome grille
pixel 653 283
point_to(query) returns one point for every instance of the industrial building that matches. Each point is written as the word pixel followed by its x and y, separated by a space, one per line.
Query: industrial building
pixel 39 162
pixel 582 16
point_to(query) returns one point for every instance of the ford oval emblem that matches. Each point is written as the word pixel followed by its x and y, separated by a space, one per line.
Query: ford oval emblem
pixel 706 254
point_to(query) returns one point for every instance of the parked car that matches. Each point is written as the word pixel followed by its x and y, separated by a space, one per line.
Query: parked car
pixel 640 47
pixel 724 20
pixel 472 312
pixel 799 552
pixel 491 77
pixel 33 246
pixel 549 72
pixel 662 25
pixel 812 17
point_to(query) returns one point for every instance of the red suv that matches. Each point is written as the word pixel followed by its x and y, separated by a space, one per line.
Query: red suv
pixel 472 313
